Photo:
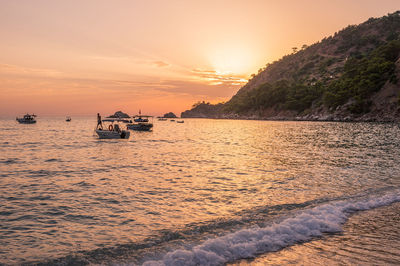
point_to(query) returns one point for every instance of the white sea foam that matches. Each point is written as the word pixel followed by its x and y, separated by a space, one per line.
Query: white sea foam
pixel 326 218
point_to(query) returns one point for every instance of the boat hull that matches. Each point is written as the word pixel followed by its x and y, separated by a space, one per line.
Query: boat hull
pixel 140 127
pixel 106 134
pixel 23 121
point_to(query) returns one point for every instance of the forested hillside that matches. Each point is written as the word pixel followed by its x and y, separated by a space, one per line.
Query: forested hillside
pixel 352 75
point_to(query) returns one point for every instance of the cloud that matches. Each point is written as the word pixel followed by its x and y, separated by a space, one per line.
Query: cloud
pixel 18 70
pixel 218 78
pixel 177 87
pixel 173 88
pixel 197 88
pixel 160 64
pixel 195 82
pixel 202 84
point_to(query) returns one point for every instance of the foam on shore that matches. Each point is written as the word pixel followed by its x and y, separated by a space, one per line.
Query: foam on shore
pixel 247 243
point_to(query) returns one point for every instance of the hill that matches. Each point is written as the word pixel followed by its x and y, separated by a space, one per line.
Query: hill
pixel 119 114
pixel 169 115
pixel 351 75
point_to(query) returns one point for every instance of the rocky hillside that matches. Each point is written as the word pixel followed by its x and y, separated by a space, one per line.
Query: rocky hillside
pixel 352 75
pixel 204 110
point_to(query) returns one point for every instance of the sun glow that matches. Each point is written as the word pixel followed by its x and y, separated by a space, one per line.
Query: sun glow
pixel 232 60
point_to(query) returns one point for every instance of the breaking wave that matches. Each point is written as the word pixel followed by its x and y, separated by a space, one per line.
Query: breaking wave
pixel 247 243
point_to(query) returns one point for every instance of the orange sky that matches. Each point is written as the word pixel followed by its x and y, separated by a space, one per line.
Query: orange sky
pixel 83 57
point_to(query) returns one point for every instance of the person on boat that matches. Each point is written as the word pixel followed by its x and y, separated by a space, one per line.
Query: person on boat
pixel 99 123
pixel 116 128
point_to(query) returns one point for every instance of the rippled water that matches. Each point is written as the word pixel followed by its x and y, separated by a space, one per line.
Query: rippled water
pixel 165 196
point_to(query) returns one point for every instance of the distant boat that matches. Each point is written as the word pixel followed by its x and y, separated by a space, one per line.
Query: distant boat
pixel 172 120
pixel 140 119
pixel 180 121
pixel 68 119
pixel 27 119
pixel 112 129
pixel 141 123
pixel 162 119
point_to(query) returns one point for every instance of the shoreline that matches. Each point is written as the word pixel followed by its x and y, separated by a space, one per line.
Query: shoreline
pixel 299 119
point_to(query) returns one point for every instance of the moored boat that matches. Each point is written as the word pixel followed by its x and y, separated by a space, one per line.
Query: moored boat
pixel 112 129
pixel 141 123
pixel 27 119
pixel 68 119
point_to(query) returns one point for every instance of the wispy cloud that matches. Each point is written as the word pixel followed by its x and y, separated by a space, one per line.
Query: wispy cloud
pixel 168 87
pixel 19 70
pixel 218 78
pixel 171 87
pixel 149 60
pixel 160 63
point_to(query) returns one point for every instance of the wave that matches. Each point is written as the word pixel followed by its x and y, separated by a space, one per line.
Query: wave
pixel 269 229
pixel 247 243
pixel 53 160
pixel 10 161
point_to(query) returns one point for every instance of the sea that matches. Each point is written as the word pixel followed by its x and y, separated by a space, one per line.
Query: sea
pixel 202 192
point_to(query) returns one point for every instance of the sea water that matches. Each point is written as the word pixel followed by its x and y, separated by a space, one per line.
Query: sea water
pixel 203 192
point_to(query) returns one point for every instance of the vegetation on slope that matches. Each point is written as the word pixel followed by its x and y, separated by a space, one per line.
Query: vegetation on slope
pixel 362 76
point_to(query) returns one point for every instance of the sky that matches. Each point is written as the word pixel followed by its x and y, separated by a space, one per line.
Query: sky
pixel 81 57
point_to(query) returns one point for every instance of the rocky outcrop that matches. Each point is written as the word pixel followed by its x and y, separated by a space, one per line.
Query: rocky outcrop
pixel 119 114
pixel 203 110
pixel 169 115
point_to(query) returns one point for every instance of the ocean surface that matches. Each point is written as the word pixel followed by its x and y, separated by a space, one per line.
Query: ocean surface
pixel 205 192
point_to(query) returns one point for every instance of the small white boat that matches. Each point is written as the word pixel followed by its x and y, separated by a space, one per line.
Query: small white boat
pixel 27 119
pixel 112 129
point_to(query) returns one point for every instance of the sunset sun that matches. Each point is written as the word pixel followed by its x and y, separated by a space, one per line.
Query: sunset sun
pixel 232 60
